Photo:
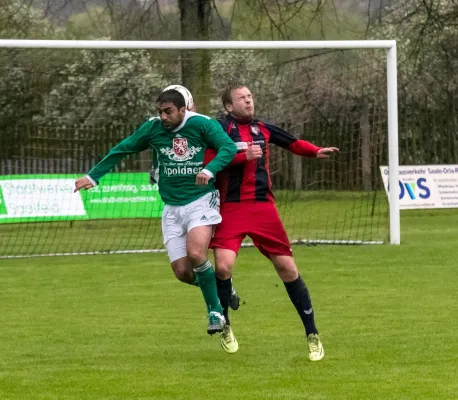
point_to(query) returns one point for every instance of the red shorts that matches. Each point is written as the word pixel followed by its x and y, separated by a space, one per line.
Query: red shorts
pixel 258 220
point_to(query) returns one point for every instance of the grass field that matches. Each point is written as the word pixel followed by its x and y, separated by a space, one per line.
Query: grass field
pixel 121 327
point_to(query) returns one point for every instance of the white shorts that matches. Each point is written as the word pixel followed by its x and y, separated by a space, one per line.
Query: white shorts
pixel 177 221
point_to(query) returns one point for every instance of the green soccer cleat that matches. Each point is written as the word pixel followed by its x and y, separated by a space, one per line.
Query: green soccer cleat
pixel 234 300
pixel 228 341
pixel 216 322
pixel 316 350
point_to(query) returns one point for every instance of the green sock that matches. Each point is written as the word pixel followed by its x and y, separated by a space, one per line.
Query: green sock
pixel 195 282
pixel 207 283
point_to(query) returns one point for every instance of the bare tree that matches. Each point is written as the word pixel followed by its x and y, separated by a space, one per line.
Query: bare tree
pixel 195 17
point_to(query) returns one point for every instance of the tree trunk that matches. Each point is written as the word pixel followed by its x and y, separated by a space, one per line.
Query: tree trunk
pixel 195 64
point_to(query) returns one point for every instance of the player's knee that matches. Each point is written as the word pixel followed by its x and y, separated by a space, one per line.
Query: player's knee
pixel 182 271
pixel 224 262
pixel 287 274
pixel 183 276
pixel 197 256
pixel 223 270
pixel 286 267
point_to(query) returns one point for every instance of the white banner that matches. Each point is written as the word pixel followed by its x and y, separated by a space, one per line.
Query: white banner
pixel 425 186
pixel 39 198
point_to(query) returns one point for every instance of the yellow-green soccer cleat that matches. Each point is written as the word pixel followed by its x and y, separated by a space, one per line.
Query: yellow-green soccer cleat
pixel 316 350
pixel 228 341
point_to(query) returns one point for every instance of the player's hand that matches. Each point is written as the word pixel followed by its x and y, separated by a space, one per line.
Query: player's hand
pixel 254 152
pixel 83 183
pixel 202 179
pixel 326 151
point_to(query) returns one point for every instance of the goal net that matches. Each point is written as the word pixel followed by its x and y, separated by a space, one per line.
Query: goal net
pixel 61 110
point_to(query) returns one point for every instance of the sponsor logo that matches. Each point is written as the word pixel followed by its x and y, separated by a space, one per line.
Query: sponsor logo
pixel 181 170
pixel 414 190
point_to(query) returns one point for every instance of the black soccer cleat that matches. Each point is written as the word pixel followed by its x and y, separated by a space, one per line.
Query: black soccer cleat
pixel 234 300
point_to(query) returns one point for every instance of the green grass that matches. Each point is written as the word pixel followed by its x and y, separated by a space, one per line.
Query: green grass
pixel 121 327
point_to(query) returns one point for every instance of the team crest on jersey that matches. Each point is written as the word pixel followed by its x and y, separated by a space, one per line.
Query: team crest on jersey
pixel 180 150
pixel 255 130
pixel 180 146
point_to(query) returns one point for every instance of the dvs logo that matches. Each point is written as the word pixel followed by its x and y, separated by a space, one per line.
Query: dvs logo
pixel 414 189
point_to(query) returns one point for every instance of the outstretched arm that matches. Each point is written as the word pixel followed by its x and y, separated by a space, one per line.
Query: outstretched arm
pixel 297 146
pixel 307 149
pixel 131 145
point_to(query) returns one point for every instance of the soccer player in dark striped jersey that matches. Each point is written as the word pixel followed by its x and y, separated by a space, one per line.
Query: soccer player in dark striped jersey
pixel 248 208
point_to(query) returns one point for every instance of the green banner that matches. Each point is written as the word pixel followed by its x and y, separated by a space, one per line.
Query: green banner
pixel 2 203
pixel 33 198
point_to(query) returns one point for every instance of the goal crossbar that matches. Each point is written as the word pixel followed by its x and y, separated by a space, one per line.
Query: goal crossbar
pixel 194 45
pixel 388 45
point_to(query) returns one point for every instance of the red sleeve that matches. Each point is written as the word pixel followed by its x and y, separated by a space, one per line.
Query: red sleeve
pixel 209 155
pixel 238 159
pixel 303 148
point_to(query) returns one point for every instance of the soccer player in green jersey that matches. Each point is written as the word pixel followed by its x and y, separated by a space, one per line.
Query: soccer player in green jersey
pixel 180 139
pixel 181 266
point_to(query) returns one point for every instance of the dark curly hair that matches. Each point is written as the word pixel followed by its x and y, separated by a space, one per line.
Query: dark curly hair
pixel 172 96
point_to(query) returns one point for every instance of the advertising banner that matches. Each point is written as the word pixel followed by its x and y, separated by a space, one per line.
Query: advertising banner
pixel 33 198
pixel 425 186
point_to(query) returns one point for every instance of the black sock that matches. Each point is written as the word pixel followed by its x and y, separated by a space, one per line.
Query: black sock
pixel 300 297
pixel 224 288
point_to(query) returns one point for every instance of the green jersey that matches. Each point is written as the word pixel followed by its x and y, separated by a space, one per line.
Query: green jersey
pixel 180 155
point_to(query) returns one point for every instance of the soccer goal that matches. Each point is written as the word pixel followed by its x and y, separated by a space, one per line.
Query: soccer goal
pixel 64 104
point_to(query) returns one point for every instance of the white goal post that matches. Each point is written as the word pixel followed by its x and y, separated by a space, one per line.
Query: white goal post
pixel 391 70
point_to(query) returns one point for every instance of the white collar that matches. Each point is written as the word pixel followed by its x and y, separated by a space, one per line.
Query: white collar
pixel 187 115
